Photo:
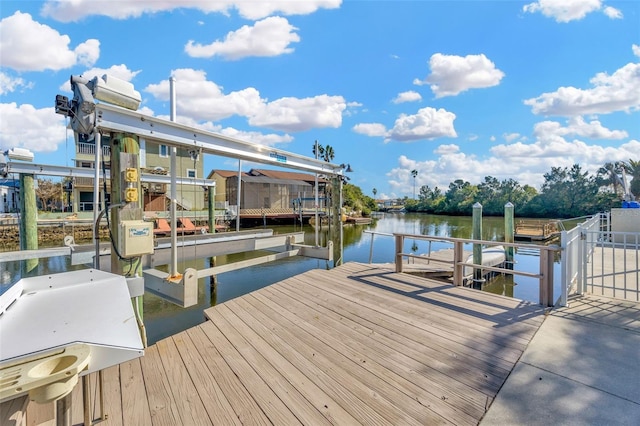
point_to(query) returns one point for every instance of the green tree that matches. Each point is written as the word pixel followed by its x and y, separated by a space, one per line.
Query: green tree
pixel 460 197
pixel 325 153
pixel 633 168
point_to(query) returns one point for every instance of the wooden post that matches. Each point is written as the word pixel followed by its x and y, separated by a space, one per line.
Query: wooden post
pixel 546 279
pixel 458 267
pixel 477 248
pixel 29 222
pixel 508 233
pixel 399 245
pixel 212 209
pixel 125 151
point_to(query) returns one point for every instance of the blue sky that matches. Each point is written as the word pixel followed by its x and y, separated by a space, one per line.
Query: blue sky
pixel 453 89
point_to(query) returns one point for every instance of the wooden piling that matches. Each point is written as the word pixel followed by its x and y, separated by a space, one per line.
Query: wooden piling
pixel 508 233
pixel 29 222
pixel 477 248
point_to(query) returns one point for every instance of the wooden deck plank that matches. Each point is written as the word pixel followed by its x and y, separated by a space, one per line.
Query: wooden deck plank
pixel 243 404
pixel 446 320
pixel 403 333
pixel 449 316
pixel 135 409
pixel 472 368
pixel 273 407
pixel 215 402
pixel 112 396
pixel 400 372
pixel 347 368
pixel 273 370
pixel 188 402
pixel 355 344
pixel 162 406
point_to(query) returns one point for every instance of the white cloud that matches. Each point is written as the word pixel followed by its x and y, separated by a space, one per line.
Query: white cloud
pixel 510 137
pixel 295 115
pixel 39 130
pixel 447 149
pixel 409 96
pixel 120 71
pixel 612 12
pixel 636 50
pixel 9 84
pixel 526 163
pixel 451 74
pixel 269 37
pixel 27 45
pixel 68 11
pixel 578 127
pixel 267 139
pixel 370 129
pixel 564 10
pixel 428 123
pixel 617 92
pixel 201 99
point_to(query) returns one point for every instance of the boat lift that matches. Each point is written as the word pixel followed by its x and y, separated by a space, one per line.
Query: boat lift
pixel 119 115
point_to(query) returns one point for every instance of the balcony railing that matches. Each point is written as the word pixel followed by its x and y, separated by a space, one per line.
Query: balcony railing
pixel 90 149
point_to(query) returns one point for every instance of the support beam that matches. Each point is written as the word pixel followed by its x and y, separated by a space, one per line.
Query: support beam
pixel 115 119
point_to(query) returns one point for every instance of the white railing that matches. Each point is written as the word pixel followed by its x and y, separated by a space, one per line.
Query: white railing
pixel 612 264
pixel 90 149
pixel 572 269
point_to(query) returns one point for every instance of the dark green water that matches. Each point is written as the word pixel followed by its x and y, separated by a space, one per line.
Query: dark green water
pixel 163 319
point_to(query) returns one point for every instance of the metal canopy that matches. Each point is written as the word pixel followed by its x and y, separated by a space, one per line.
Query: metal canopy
pixel 115 119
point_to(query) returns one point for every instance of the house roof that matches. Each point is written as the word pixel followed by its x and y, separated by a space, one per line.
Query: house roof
pixel 267 179
pixel 278 174
pixel 225 173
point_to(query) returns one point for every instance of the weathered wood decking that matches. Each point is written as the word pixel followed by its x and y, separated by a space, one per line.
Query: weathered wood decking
pixel 356 344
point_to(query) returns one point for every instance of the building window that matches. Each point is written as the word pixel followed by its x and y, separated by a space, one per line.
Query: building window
pixel 163 151
pixel 191 173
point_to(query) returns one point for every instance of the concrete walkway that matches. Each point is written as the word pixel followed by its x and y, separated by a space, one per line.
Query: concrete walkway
pixel 581 368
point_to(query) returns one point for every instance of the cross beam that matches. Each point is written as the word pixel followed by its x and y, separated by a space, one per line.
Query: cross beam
pixel 62 171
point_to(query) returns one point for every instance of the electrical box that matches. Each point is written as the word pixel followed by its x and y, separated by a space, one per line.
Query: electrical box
pixel 136 238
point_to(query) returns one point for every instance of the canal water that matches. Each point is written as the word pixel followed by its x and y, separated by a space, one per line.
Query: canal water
pixel 163 319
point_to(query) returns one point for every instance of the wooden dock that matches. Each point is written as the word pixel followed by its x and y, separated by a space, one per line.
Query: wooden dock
pixel 358 344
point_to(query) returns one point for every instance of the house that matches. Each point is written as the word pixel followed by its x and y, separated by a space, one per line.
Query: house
pixel 154 159
pixel 9 195
pixel 267 189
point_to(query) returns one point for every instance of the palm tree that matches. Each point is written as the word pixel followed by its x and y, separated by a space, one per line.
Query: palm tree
pixel 325 152
pixel 609 174
pixel 375 191
pixel 328 153
pixel 414 173
pixel 633 168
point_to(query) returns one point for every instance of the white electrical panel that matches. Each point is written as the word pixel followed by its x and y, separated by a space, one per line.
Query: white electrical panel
pixel 136 238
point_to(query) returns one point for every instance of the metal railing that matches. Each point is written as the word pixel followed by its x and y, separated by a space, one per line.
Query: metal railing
pixel 612 264
pixel 90 149
pixel 459 262
pixel 572 268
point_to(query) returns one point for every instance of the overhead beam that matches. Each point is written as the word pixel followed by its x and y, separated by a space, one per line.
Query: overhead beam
pixel 85 172
pixel 110 118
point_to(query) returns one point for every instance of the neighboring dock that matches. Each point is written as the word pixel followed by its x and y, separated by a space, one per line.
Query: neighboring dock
pixel 536 230
pixel 352 345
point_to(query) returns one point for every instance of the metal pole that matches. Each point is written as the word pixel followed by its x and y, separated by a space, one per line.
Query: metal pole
pixel 238 198
pixel 316 201
pixel 96 179
pixel 174 193
pixel 63 410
